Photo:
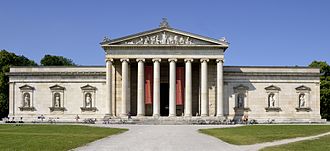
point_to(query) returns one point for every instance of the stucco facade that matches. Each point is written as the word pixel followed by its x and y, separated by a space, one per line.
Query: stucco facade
pixel 205 88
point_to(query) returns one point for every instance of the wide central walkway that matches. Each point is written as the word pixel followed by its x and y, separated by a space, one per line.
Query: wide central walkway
pixel 160 138
pixel 174 138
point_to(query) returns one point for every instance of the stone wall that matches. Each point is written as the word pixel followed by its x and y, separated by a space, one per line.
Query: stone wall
pixel 254 79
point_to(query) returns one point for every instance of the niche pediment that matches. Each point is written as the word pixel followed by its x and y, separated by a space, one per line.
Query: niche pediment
pixel 273 87
pixel 26 87
pixel 88 87
pixel 57 87
pixel 303 88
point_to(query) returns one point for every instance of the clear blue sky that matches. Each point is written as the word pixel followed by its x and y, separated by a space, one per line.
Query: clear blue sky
pixel 260 32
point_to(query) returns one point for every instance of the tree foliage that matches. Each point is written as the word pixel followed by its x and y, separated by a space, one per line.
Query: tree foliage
pixel 324 87
pixel 7 60
pixel 50 60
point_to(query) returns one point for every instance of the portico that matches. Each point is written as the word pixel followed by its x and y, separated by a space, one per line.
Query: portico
pixel 165 71
pixel 179 53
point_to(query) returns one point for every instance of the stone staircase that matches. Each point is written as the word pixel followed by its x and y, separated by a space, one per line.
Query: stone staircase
pixel 166 121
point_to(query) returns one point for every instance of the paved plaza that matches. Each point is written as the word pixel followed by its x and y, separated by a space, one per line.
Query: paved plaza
pixel 172 138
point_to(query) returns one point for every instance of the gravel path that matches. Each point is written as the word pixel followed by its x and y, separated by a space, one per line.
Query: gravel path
pixel 173 138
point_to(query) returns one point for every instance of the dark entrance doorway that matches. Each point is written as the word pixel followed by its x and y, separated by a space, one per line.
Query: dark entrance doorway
pixel 164 99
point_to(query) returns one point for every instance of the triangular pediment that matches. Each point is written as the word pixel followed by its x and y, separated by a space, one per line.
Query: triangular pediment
pixel 164 36
pixel 273 87
pixel 241 87
pixel 88 87
pixel 303 88
pixel 57 87
pixel 26 87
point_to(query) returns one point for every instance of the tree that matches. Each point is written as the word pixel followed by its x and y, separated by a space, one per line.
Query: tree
pixel 8 59
pixel 324 87
pixel 50 60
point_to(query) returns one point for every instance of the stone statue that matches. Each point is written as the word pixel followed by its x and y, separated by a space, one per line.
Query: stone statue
pixel 153 40
pixel 146 40
pixel 170 40
pixel 164 23
pixel 26 100
pixel 88 100
pixel 140 41
pixel 157 41
pixel 181 40
pixel 271 100
pixel 302 100
pixel 188 42
pixel 163 38
pixel 240 101
pixel 106 39
pixel 176 39
pixel 57 102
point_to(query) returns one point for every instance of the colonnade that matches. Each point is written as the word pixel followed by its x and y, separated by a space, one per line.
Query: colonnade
pixel 172 87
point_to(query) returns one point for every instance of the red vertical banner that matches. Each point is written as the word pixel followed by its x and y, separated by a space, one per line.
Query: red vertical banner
pixel 148 72
pixel 179 85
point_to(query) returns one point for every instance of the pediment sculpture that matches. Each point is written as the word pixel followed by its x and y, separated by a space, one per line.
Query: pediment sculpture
pixel 162 38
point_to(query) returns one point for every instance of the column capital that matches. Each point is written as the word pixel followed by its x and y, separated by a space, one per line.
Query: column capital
pixel 156 59
pixel 125 59
pixel 172 59
pixel 140 59
pixel 188 60
pixel 218 60
pixel 108 59
pixel 207 60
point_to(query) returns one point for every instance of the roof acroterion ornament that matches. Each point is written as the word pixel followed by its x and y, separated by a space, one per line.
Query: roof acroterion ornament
pixel 106 39
pixel 164 23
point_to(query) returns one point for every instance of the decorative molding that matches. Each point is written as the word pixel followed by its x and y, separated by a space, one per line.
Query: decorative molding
pixel 91 109
pixel 26 87
pixel 57 87
pixel 88 87
pixel 172 59
pixel 273 87
pixel 161 38
pixel 27 108
pixel 246 109
pixel 156 59
pixel 303 88
pixel 303 109
pixel 273 109
pixel 240 88
pixel 206 60
pixel 52 109
pixel 164 23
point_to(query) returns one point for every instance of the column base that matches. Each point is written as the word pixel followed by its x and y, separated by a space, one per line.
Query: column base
pixel 188 115
pixel 123 115
pixel 156 115
pixel 108 115
pixel 172 115
pixel 204 115
pixel 140 115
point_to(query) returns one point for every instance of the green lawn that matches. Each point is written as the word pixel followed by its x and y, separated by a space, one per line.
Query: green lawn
pixel 321 144
pixel 50 137
pixel 246 135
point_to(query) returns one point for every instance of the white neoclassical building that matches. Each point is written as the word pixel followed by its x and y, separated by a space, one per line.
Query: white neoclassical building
pixel 165 73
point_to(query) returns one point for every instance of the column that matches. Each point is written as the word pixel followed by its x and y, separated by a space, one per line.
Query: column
pixel 156 88
pixel 109 87
pixel 188 88
pixel 124 85
pixel 219 87
pixel 172 81
pixel 140 88
pixel 11 99
pixel 204 88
